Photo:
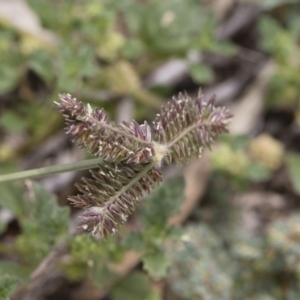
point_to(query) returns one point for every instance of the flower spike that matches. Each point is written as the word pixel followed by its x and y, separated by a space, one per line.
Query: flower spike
pixel 186 126
pixel 125 142
pixel 132 156
pixel 112 194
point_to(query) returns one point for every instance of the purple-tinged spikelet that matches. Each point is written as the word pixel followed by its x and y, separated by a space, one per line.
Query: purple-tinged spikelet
pixel 185 126
pixel 91 128
pixel 132 157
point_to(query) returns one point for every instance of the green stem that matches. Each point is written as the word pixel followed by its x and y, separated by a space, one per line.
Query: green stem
pixel 80 165
pixel 125 188
pixel 187 131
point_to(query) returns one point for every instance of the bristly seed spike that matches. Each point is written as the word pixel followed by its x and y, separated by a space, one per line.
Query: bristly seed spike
pixel 133 156
pixel 198 125
pixel 93 131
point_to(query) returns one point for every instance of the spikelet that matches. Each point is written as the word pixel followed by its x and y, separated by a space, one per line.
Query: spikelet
pixel 186 126
pixel 131 157
pixel 91 128
pixel 112 194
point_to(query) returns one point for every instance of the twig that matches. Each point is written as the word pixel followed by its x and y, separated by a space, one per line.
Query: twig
pixel 46 171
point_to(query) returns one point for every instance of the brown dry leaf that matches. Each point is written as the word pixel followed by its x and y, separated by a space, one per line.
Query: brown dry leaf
pixel 196 178
pixel 247 111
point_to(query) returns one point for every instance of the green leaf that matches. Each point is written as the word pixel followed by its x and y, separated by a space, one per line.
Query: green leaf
pixel 133 48
pixel 12 197
pixel 42 63
pixel 14 269
pixel 201 73
pixel 293 167
pixel 11 60
pixel 12 122
pixel 162 203
pixel 8 285
pixel 44 226
pixel 154 213
pixel 90 257
pixel 201 267
pixel 45 211
pixel 9 77
pixel 226 48
pixel 135 241
pixel 257 172
pixel 156 263
pixel 136 286
pixel 75 67
pixel 156 22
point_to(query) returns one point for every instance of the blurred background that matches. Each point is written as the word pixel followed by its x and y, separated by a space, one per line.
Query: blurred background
pixel 237 217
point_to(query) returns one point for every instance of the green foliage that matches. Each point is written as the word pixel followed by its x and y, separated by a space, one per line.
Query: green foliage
pixel 80 69
pixel 160 205
pixel 156 263
pixel 8 284
pixel 232 158
pixel 278 41
pixel 11 121
pixel 92 257
pixel 43 225
pixel 201 73
pixel 111 45
pixel 11 60
pixel 134 287
pixel 200 269
pixel 221 215
pixel 284 236
pixel 41 62
pixel 274 260
pixel 168 19
pixel 154 213
pixel 12 198
pixel 206 266
pixel 88 31
pixel 216 258
pixel 15 269
pixel 91 45
pixel 293 167
pixel 152 23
